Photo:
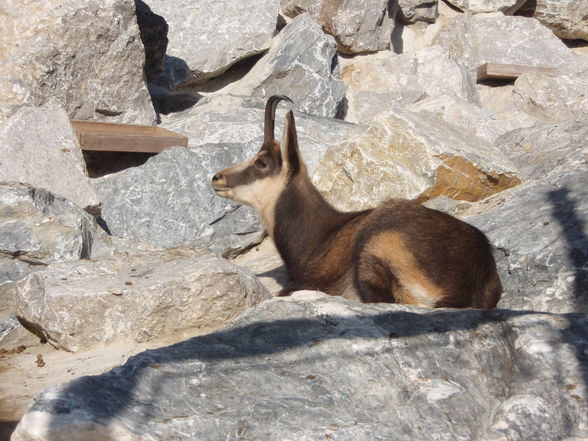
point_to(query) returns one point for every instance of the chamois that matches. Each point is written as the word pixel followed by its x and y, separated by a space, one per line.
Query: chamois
pixel 398 252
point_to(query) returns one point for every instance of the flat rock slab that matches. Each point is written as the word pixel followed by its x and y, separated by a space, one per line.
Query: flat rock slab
pixel 138 297
pixel 302 64
pixel 411 155
pixel 40 148
pixel 83 55
pixel 213 35
pixel 315 367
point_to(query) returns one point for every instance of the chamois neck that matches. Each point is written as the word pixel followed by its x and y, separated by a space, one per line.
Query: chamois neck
pixel 304 222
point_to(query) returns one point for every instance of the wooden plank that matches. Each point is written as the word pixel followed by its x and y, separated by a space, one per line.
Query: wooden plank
pixel 112 137
pixel 498 71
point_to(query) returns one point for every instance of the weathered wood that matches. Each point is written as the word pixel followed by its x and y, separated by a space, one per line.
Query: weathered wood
pixel 113 137
pixel 498 71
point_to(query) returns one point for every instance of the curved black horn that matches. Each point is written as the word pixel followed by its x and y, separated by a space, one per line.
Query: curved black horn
pixel 270 117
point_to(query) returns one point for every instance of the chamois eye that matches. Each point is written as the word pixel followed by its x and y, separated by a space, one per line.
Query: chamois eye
pixel 260 163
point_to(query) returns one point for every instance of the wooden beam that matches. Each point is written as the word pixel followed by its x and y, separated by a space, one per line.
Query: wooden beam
pixel 111 137
pixel 498 71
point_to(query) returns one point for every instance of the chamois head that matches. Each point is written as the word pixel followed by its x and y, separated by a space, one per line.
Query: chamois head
pixel 259 181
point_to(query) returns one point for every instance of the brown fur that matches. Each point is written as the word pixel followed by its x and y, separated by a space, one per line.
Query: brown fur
pixel 399 252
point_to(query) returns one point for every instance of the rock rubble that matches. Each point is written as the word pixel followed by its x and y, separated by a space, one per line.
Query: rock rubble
pixel 387 104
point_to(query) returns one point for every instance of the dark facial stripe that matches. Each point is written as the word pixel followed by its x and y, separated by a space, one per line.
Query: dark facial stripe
pixel 253 173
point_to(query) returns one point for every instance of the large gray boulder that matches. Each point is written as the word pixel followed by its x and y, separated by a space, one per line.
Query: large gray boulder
pixel 415 156
pixel 211 36
pixel 40 148
pixel 360 26
pixel 546 149
pixel 542 248
pixel 566 18
pixel 83 55
pixel 38 228
pixel 314 367
pixel 539 228
pixel 133 297
pixel 495 38
pixel 301 63
pixel 168 201
pixel 378 82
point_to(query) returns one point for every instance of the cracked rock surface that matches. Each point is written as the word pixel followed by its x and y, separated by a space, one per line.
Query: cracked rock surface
pixel 314 367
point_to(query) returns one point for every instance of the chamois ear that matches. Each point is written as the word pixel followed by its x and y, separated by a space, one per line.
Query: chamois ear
pixel 289 146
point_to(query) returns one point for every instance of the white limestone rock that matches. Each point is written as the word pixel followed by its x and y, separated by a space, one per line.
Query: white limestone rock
pixel 559 98
pixel 82 55
pixel 566 18
pixel 484 123
pixel 40 148
pixel 133 297
pixel 37 228
pixel 379 82
pixel 212 36
pixel 495 38
pixel 411 155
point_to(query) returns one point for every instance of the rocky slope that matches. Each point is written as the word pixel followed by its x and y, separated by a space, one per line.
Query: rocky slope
pixel 387 105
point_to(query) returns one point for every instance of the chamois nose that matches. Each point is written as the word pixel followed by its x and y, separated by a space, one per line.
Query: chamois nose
pixel 216 177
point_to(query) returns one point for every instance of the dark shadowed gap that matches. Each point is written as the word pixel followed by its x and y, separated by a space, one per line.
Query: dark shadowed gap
pixel 528 9
pixel 6 429
pixel 396 41
pixel 153 30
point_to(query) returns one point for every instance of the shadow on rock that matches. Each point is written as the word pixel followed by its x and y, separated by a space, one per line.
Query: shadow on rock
pixel 204 364
pixel 572 226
